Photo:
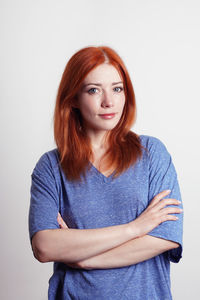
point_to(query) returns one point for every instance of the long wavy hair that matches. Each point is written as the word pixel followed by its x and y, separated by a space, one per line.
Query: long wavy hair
pixel 74 146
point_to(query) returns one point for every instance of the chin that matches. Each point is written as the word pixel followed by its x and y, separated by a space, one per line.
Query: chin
pixel 103 127
pixel 108 128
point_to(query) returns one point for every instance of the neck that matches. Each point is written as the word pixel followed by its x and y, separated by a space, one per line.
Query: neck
pixel 98 140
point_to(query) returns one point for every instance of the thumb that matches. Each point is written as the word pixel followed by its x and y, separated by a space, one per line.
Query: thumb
pixel 61 222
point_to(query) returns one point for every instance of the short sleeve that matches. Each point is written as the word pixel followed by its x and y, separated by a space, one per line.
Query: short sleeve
pixel 44 203
pixel 163 176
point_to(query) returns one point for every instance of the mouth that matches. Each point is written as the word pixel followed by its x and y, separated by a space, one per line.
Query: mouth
pixel 110 114
pixel 107 116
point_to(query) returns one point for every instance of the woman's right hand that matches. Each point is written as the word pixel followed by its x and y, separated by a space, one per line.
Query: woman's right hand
pixel 156 213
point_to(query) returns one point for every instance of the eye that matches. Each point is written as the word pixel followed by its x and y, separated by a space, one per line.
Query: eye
pixel 118 89
pixel 92 90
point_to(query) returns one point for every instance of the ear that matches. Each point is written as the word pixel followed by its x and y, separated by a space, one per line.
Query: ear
pixel 75 103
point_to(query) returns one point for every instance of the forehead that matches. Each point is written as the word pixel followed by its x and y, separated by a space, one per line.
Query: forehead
pixel 103 73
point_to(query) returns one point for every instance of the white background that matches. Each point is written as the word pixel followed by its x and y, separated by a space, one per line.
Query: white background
pixel 159 43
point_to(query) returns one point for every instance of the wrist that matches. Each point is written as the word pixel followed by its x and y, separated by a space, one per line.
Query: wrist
pixel 133 230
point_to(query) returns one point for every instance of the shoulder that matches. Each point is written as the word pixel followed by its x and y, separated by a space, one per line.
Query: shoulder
pixel 154 150
pixel 152 144
pixel 47 162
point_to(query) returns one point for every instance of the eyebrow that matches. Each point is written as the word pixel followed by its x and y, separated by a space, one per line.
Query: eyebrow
pixel 99 84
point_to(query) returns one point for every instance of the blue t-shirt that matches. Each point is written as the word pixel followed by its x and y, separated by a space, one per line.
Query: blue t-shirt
pixel 102 201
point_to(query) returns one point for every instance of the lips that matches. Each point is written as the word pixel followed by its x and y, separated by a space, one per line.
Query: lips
pixel 107 116
pixel 104 115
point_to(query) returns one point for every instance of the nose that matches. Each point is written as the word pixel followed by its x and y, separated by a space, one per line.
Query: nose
pixel 107 100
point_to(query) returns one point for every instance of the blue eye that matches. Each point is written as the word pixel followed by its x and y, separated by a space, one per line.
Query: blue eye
pixel 118 89
pixel 91 91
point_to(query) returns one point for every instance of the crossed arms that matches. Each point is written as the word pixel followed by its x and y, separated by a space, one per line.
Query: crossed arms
pixel 109 247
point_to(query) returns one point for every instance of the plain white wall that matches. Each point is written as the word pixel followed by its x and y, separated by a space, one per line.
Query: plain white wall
pixel 159 43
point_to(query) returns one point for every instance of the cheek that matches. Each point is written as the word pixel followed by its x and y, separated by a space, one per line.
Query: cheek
pixel 121 102
pixel 88 107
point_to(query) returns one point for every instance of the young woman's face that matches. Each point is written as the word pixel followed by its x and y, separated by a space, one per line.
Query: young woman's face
pixel 101 99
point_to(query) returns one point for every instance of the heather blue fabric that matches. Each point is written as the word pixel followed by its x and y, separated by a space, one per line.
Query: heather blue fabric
pixel 104 201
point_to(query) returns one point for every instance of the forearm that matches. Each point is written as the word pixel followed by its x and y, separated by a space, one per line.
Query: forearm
pixel 75 245
pixel 72 245
pixel 131 252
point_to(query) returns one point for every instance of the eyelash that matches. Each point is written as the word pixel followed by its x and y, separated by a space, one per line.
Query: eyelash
pixel 118 87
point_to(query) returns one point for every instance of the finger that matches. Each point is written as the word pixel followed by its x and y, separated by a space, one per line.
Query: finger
pixel 169 218
pixel 159 196
pixel 59 218
pixel 172 210
pixel 161 204
pixel 61 221
pixel 63 224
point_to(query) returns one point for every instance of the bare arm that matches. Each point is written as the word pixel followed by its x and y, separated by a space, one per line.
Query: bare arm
pixel 72 245
pixel 75 245
pixel 131 252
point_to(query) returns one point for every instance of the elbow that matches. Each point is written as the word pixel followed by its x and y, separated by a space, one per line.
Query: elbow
pixel 39 249
pixel 176 245
pixel 40 255
pixel 172 245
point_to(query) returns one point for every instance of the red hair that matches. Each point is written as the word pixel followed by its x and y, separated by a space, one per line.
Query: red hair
pixel 73 144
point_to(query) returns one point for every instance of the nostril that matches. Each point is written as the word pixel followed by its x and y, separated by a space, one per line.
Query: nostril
pixel 107 104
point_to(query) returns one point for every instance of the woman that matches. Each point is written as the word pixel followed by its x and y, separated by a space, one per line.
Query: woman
pixel 105 204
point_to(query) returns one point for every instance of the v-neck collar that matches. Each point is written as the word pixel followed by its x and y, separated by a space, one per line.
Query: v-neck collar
pixel 104 178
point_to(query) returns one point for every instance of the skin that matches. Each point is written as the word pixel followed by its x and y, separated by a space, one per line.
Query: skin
pixel 112 246
pixel 138 249
pixel 103 97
